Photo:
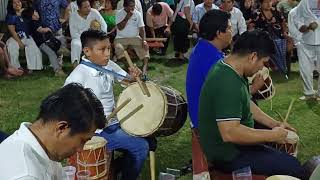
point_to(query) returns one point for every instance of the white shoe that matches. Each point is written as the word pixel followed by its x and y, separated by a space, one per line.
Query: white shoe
pixel 308 97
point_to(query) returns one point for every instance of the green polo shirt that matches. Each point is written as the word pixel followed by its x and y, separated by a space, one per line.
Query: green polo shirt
pixel 224 97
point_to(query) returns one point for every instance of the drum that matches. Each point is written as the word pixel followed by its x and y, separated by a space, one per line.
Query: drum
pixel 161 114
pixel 267 91
pixel 282 177
pixel 95 158
pixel 291 145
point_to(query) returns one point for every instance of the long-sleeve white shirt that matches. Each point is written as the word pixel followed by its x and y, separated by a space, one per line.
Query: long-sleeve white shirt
pixel 308 12
pixel 79 24
pixel 238 22
pixel 293 27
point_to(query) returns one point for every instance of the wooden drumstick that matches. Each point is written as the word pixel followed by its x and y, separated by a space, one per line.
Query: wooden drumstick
pixel 144 89
pixel 117 109
pixel 131 113
pixel 157 39
pixel 152 165
pixel 288 112
pixel 282 119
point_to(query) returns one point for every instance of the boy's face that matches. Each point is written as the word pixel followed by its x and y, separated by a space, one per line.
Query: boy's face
pixel 98 52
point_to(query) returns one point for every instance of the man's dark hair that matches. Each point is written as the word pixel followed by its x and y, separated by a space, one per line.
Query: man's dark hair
pixel 90 36
pixel 254 41
pixel 127 2
pixel 213 22
pixel 79 3
pixel 157 9
pixel 76 105
pixel 27 13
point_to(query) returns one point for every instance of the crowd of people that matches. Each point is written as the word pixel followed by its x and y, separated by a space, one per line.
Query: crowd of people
pixel 249 32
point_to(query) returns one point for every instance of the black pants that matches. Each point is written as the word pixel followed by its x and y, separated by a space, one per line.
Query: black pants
pixel 160 32
pixel 180 32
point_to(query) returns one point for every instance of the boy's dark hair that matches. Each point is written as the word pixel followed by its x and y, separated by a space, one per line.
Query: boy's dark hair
pixel 76 105
pixel 157 9
pixel 127 2
pixel 27 13
pixel 90 36
pixel 213 22
pixel 79 3
pixel 254 41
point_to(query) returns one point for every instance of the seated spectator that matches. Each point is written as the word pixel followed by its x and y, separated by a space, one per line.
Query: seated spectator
pixel 285 6
pixel 200 10
pixel 159 20
pixel 246 7
pixel 109 15
pixel 42 35
pixel 137 5
pixel 50 16
pixel 20 39
pixel 6 68
pixel 131 33
pixel 80 22
pixel 171 3
pixel 238 23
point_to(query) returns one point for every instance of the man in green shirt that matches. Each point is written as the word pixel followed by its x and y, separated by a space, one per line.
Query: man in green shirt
pixel 226 114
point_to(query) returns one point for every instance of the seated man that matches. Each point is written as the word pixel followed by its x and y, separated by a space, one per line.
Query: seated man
pixel 131 33
pixel 200 10
pixel 238 22
pixel 159 20
pixel 96 47
pixel 226 114
pixel 79 22
pixel 67 119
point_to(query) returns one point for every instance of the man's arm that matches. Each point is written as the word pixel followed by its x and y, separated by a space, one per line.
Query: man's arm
pixel 234 132
pixel 123 23
pixel 261 117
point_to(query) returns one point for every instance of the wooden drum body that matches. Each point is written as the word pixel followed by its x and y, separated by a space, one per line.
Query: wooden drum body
pixel 267 91
pixel 291 145
pixel 95 158
pixel 161 114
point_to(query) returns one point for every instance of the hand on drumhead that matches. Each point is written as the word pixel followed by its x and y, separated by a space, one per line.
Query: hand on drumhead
pixel 257 83
pixel 287 126
pixel 281 134
pixel 134 72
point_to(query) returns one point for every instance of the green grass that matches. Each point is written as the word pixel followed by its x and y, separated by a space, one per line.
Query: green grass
pixel 20 99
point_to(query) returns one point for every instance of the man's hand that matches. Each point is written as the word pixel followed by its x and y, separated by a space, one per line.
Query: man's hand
pixel 281 134
pixel 145 45
pixel 129 14
pixel 313 26
pixel 257 83
pixel 304 29
pixel 134 72
pixel 21 45
pixel 167 30
pixel 287 126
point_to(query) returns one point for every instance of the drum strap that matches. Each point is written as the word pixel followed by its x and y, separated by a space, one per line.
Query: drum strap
pixel 101 69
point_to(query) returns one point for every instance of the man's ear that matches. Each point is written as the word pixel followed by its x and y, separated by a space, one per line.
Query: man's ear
pixel 87 51
pixel 253 57
pixel 62 127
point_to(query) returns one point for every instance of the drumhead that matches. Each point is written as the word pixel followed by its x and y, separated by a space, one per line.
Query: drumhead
pixel 94 143
pixel 282 177
pixel 292 137
pixel 150 117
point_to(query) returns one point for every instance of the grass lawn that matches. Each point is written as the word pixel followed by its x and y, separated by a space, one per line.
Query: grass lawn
pixel 20 99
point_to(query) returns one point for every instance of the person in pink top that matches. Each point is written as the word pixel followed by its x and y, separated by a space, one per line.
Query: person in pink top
pixel 159 20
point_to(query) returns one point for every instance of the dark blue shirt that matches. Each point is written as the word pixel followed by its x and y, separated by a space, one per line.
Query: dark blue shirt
pixel 204 55
pixel 49 11
pixel 20 25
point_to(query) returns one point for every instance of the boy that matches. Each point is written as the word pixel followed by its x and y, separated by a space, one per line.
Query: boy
pixel 96 47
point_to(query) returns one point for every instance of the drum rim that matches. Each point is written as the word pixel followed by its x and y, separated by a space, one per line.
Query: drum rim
pixel 158 87
pixel 90 145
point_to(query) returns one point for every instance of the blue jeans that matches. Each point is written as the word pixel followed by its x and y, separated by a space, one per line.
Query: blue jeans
pixel 264 160
pixel 136 150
